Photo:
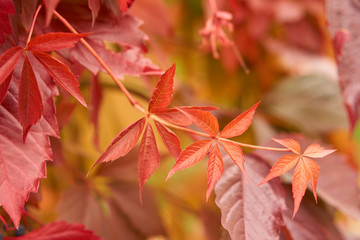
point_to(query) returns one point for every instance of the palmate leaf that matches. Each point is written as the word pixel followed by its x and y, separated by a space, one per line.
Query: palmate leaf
pixel 205 120
pixel 54 41
pixel 7 7
pixel 215 169
pixel 59 230
pixel 236 154
pixel 306 169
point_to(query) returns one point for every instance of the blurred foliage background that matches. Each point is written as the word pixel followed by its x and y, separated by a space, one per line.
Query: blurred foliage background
pixel 292 70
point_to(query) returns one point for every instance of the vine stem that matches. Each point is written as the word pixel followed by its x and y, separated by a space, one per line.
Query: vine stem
pixel 141 108
pixel 103 64
pixel 33 24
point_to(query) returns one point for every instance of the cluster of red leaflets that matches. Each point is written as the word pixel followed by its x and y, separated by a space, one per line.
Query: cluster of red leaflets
pixel 30 106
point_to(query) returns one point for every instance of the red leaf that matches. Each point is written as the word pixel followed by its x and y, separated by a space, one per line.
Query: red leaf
pixel 236 154
pixel 7 7
pixel 299 184
pixel 21 164
pixel 178 117
pixel 284 164
pixel 94 6
pixel 191 155
pixel 61 73
pixel 240 124
pixel 122 143
pixel 248 212
pixel 290 144
pixel 215 169
pixel 8 61
pixel 205 120
pixel 317 151
pixel 170 140
pixel 163 92
pixel 54 41
pixel 128 62
pixel 50 7
pixel 149 157
pixel 30 102
pixel 4 87
pixel 59 230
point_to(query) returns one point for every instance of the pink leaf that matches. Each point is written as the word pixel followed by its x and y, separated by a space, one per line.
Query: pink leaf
pixel 317 151
pixel 205 120
pixel 4 87
pixel 61 73
pixel 177 115
pixel 122 143
pixel 248 212
pixel 94 6
pixel 21 164
pixel 8 61
pixel 59 230
pixel 240 124
pixel 290 144
pixel 54 41
pixel 236 154
pixel 215 169
pixel 163 92
pixel 50 7
pixel 7 7
pixel 170 140
pixel 191 155
pixel 30 102
pixel 149 157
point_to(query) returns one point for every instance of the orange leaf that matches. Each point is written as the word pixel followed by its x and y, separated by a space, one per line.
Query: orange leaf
pixel 205 120
pixel 215 169
pixel 284 164
pixel 299 184
pixel 290 144
pixel 240 124
pixel 122 143
pixel 149 157
pixel 312 172
pixel 317 151
pixel 236 154
pixel 170 140
pixel 191 155
pixel 163 92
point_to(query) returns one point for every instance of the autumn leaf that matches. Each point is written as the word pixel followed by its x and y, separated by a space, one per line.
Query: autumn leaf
pixel 94 6
pixel 235 153
pixel 124 4
pixel 306 169
pixel 215 169
pixel 240 124
pixel 54 41
pixel 248 212
pixel 163 92
pixel 191 155
pixel 30 102
pixel 204 120
pixel 50 7
pixel 61 73
pixel 122 143
pixel 170 140
pixel 58 230
pixel 8 61
pixel 149 157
